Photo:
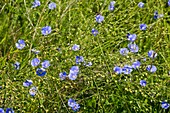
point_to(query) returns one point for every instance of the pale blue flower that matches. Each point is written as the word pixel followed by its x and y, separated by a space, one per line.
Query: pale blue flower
pixel 20 44
pixel 45 64
pixel 36 3
pixel 33 91
pixel 52 5
pixel 76 47
pixel 151 68
pixel 27 83
pixel 35 62
pixel 165 105
pixel 143 83
pixel 99 18
pixel 141 4
pixel 124 51
pixel 46 30
pixel 152 54
pixel 117 70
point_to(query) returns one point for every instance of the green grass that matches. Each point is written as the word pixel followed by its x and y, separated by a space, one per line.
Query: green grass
pixel 97 89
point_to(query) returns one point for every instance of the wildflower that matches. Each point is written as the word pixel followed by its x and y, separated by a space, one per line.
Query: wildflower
pixel 124 51
pixel 94 32
pixel 143 83
pixel 63 75
pixel 127 69
pixel 152 54
pixel 17 65
pixel 45 64
pixel 36 3
pixel 165 105
pixel 144 59
pixel 131 37
pixel 33 91
pixel 35 62
pixel 20 44
pixel 46 30
pixel 27 83
pixel 117 70
pixel 72 76
pixel 71 102
pixel 111 6
pixel 74 69
pixel 1 110
pixel 133 48
pixel 75 107
pixel 156 15
pixel 41 72
pixel 0 87
pixel 168 2
pixel 79 59
pixel 99 18
pixel 35 51
pixel 151 68
pixel 143 26
pixel 136 64
pixel 88 64
pixel 76 47
pixel 9 110
pixel 141 4
pixel 52 5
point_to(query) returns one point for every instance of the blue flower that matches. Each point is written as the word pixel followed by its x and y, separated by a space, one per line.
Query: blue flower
pixel 9 110
pixel 136 64
pixel 72 76
pixel 117 70
pixel 143 83
pixel 36 3
pixel 99 18
pixel 141 4
pixel 20 44
pixel 94 32
pixel 76 107
pixel 74 69
pixel 131 37
pixel 27 83
pixel 127 69
pixel 168 2
pixel 133 48
pixel 152 54
pixel 41 72
pixel 35 51
pixel 71 102
pixel 46 30
pixel 165 105
pixel 63 75
pixel 17 65
pixel 52 5
pixel 1 110
pixel 143 26
pixel 124 51
pixel 111 6
pixel 76 47
pixel 79 59
pixel 33 91
pixel 88 64
pixel 156 15
pixel 45 64
pixel 151 68
pixel 35 62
